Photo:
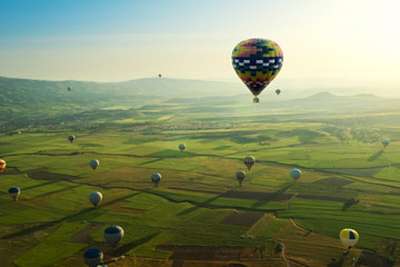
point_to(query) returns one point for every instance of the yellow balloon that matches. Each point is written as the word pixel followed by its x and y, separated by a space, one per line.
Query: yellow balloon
pixel 349 237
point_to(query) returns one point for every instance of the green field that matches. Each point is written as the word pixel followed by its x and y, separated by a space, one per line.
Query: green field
pixel 199 206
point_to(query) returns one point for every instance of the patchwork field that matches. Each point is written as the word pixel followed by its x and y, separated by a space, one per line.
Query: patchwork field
pixel 199 215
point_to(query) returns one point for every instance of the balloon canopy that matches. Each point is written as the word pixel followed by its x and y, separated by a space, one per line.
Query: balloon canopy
pixel 257 62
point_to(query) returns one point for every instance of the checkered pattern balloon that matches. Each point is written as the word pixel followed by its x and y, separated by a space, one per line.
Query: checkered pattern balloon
pixel 257 62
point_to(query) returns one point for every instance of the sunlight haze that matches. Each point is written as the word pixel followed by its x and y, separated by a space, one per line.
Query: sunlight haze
pixel 325 43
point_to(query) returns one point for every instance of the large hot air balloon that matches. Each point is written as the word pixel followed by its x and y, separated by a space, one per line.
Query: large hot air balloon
pixel 113 234
pixel 3 165
pixel 182 147
pixel 156 178
pixel 349 237
pixel 257 62
pixel 249 162
pixel 278 91
pixel 71 138
pixel 94 164
pixel 240 175
pixel 385 142
pixel 93 257
pixel 14 192
pixel 95 198
pixel 295 173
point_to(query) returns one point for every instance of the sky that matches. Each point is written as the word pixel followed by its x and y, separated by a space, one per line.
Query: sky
pixel 326 43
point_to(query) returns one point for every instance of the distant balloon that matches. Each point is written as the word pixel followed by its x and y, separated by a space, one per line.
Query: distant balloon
pixel 93 257
pixel 385 142
pixel 159 75
pixel 113 234
pixel 3 165
pixel 95 198
pixel 156 178
pixel 249 162
pixel 295 173
pixel 240 175
pixel 94 164
pixel 257 62
pixel 71 138
pixel 278 91
pixel 182 147
pixel 69 89
pixel 14 192
pixel 349 237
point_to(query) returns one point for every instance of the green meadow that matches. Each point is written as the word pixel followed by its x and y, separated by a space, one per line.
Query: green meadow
pixel 199 204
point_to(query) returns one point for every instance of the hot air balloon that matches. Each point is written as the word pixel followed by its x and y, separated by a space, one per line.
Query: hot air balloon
pixel 182 147
pixel 69 89
pixel 93 257
pixel 295 173
pixel 385 142
pixel 94 164
pixel 71 138
pixel 3 165
pixel 349 237
pixel 14 192
pixel 113 234
pixel 257 62
pixel 249 162
pixel 278 91
pixel 95 198
pixel 159 75
pixel 156 178
pixel 240 175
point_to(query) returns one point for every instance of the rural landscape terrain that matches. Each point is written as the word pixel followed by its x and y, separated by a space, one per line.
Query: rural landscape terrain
pixel 198 215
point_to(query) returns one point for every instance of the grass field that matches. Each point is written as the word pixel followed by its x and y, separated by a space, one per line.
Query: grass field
pixel 198 215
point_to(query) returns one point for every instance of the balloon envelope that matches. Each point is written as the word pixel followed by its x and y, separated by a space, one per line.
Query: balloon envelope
pixel 182 147
pixel 249 161
pixel 240 175
pixel 94 164
pixel 156 177
pixel 349 237
pixel 257 62
pixel 14 192
pixel 295 173
pixel 113 234
pixel 71 138
pixel 93 257
pixel 95 198
pixel 3 165
pixel 278 91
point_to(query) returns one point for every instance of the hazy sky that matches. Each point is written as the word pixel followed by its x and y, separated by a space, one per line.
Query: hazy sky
pixel 341 42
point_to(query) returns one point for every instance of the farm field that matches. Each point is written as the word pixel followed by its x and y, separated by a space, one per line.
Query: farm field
pixel 199 215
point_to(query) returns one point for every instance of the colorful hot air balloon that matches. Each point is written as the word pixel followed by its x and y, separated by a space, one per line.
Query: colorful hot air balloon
pixel 156 178
pixel 240 175
pixel 257 62
pixel 3 165
pixel 71 138
pixel 278 91
pixel 93 257
pixel 349 237
pixel 249 162
pixel 94 164
pixel 95 198
pixel 14 192
pixel 182 147
pixel 113 234
pixel 295 173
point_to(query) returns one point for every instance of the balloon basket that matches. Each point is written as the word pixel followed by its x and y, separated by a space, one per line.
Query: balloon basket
pixel 256 100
